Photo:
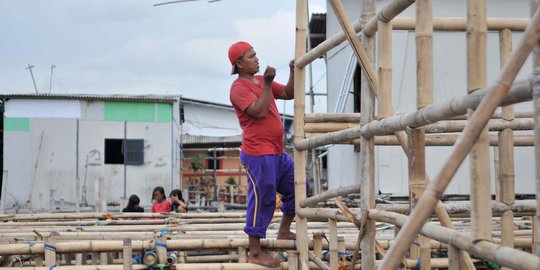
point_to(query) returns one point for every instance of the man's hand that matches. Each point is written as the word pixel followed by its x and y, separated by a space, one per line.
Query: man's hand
pixel 269 74
pixel 291 65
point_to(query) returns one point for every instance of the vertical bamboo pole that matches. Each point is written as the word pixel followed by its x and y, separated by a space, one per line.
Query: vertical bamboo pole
pixel 78 259
pixel 385 69
pixel 299 112
pixel 535 82
pixel 367 151
pixel 50 253
pixel 506 178
pixel 242 255
pixel 479 155
pixel 454 260
pixel 103 258
pixel 127 253
pixel 292 258
pixel 161 250
pixel 317 244
pixel 424 96
pixel 333 245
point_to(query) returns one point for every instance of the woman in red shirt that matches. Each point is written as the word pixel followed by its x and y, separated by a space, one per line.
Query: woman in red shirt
pixel 160 203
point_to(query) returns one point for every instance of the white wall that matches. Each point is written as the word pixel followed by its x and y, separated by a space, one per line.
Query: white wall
pixel 450 80
pixel 72 154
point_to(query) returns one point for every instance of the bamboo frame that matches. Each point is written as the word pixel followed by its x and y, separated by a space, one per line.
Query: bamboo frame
pixel 471 133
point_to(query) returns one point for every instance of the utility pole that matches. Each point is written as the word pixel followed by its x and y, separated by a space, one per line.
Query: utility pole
pixel 50 80
pixel 32 74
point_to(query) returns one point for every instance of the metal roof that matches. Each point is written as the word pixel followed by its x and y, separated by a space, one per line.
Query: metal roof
pixel 200 139
pixel 96 97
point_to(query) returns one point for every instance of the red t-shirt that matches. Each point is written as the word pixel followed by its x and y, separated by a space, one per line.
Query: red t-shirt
pixel 260 136
pixel 164 206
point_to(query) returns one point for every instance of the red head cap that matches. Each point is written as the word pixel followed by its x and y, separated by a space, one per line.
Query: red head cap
pixel 236 51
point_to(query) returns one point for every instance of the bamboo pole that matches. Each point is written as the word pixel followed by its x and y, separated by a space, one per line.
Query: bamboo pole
pixel 460 24
pixel 470 134
pixel 506 176
pixel 299 111
pixel 385 69
pixel 126 254
pixel 483 249
pixel 292 259
pixel 479 154
pixel 50 252
pixel 439 127
pixel 329 194
pixel 332 228
pixel 362 55
pixel 367 152
pixel 355 117
pixel 521 91
pixel 535 82
pixel 120 215
pixel 317 244
pixel 424 97
pixel 445 140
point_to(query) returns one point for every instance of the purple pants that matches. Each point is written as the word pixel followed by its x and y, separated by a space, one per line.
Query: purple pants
pixel 267 175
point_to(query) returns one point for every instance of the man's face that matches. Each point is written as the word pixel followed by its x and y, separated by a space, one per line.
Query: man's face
pixel 249 62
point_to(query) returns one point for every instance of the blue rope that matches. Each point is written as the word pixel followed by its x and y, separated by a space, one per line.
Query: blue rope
pixel 161 244
pixel 50 247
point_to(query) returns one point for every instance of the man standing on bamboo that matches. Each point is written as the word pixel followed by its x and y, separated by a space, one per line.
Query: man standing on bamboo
pixel 269 168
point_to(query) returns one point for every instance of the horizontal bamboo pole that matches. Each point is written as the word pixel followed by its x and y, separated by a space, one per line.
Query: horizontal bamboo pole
pixel 329 194
pixel 117 246
pixel 483 249
pixel 521 91
pixel 78 267
pixel 439 127
pixel 332 117
pixel 125 222
pixel 526 207
pixel 437 140
pixel 355 117
pixel 459 24
pixel 118 215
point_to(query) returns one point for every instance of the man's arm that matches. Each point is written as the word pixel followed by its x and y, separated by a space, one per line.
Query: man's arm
pixel 288 93
pixel 260 108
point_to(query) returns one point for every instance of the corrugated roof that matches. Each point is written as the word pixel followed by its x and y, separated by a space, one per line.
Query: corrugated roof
pixel 317 28
pixel 97 97
pixel 191 139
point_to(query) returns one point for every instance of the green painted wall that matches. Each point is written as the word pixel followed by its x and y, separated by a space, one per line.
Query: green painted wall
pixel 137 111
pixel 16 124
pixel 164 112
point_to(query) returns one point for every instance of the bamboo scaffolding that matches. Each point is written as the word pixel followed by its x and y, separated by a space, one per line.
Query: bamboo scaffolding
pixel 299 111
pixel 470 134
pixel 520 91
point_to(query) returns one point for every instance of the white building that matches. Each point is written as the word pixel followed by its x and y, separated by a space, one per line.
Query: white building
pixel 56 147
pixel 449 80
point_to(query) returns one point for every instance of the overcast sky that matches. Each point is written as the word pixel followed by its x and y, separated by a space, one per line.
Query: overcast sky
pixel 132 47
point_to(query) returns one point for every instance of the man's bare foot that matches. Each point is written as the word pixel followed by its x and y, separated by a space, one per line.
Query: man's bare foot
pixel 263 259
pixel 287 235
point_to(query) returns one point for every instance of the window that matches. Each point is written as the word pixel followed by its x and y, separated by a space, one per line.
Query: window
pixel 214 163
pixel 128 151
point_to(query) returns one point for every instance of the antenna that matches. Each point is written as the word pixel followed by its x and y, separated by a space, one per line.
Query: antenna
pixel 50 80
pixel 32 74
pixel 181 1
